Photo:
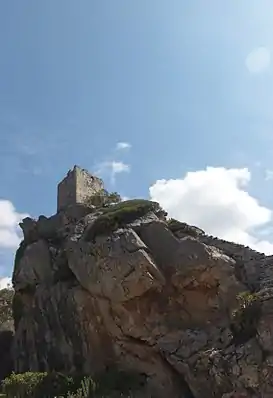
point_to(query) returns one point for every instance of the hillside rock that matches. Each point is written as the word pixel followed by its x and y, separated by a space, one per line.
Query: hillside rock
pixel 146 297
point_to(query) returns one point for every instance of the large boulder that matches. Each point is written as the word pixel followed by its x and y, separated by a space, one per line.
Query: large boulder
pixel 130 291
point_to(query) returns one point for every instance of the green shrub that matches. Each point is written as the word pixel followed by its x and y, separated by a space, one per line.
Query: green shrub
pixel 54 384
pixel 245 318
pixel 103 198
pixel 22 385
pixel 118 215
pixel 112 383
pixel 6 297
pixel 37 385
pixel 86 390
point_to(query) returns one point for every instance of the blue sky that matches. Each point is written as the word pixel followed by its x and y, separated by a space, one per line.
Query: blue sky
pixel 188 84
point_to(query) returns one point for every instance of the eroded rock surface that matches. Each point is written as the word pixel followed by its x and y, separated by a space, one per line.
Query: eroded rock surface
pixel 147 297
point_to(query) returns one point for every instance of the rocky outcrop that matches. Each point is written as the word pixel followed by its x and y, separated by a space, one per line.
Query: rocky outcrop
pixel 145 296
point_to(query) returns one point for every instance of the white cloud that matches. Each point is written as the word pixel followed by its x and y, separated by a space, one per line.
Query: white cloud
pixel 215 199
pixel 119 167
pixel 9 230
pixel 258 60
pixel 5 282
pixel 123 145
pixel 113 168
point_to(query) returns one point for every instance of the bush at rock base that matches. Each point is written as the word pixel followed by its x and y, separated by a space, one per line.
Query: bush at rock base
pixel 113 383
pixel 35 385
pixel 22 385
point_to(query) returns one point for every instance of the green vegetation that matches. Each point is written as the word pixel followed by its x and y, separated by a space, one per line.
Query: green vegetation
pixel 87 389
pixel 120 214
pixel 117 213
pixel 6 297
pixel 113 383
pixel 22 385
pixel 36 385
pixel 103 198
pixel 246 317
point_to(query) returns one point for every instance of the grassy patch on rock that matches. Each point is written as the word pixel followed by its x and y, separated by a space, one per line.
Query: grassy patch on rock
pixel 119 215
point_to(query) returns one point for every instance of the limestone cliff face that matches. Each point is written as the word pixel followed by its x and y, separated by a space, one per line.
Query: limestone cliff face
pixel 146 297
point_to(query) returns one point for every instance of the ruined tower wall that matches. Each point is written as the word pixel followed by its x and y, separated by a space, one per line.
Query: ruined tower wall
pixel 67 191
pixel 86 185
pixel 76 187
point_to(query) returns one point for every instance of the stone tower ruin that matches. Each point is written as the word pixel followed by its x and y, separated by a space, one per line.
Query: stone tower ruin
pixel 76 187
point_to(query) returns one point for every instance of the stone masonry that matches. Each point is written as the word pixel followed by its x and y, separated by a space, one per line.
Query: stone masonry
pixel 76 187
